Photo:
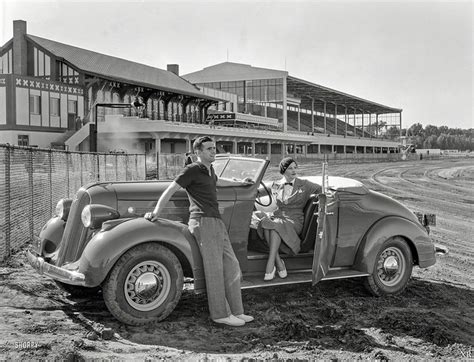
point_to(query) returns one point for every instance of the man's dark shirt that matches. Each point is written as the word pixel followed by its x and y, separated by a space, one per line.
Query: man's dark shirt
pixel 201 189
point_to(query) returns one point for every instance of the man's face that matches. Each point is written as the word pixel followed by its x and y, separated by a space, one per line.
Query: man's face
pixel 207 153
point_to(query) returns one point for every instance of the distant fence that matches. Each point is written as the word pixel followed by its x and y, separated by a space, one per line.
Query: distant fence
pixel 33 180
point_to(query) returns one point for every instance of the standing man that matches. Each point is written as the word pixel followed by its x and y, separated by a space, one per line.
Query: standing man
pixel 221 267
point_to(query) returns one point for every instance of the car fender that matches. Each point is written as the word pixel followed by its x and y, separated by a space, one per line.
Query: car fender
pixel 417 238
pixel 106 247
pixel 52 231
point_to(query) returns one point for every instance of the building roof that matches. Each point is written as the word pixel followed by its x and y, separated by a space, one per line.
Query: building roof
pixel 114 68
pixel 296 88
pixel 307 91
pixel 228 72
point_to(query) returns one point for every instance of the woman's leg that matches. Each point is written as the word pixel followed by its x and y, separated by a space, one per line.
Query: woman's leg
pixel 279 263
pixel 275 242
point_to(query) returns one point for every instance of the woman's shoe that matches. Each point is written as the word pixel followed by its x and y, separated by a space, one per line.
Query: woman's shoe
pixel 283 273
pixel 270 276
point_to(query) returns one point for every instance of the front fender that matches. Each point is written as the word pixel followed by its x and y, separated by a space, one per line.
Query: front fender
pixel 418 240
pixel 106 247
pixel 51 232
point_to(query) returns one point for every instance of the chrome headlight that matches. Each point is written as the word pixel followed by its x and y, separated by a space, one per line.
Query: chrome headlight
pixel 62 208
pixel 94 215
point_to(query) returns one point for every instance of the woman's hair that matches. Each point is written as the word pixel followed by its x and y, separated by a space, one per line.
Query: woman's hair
pixel 285 163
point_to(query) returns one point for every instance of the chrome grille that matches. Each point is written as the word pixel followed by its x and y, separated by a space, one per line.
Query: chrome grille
pixel 75 234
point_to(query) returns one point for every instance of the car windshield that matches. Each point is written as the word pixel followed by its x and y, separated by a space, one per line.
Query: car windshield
pixel 238 168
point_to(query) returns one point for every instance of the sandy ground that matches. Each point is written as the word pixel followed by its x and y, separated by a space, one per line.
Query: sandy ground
pixel 434 318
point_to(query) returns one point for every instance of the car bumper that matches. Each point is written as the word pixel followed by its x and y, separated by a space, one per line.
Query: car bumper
pixel 52 271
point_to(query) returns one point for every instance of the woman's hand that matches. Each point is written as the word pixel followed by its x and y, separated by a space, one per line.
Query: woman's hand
pixel 151 216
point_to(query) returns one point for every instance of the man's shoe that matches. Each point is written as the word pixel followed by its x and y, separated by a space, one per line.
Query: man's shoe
pixel 270 276
pixel 245 318
pixel 231 320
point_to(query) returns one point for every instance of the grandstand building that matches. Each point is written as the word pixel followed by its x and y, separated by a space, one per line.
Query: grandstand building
pixel 56 95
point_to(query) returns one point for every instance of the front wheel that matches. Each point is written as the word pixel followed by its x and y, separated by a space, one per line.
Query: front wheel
pixel 144 285
pixel 392 269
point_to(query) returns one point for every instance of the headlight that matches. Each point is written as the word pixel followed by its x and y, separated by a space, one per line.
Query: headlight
pixel 86 216
pixel 94 215
pixel 62 208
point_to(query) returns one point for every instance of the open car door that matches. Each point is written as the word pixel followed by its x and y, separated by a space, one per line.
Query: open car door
pixel 321 246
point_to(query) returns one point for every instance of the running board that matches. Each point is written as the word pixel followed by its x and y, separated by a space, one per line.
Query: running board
pixel 305 276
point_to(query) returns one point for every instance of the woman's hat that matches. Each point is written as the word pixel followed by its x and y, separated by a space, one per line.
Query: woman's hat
pixel 285 163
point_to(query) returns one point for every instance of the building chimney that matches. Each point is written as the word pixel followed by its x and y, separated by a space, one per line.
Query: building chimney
pixel 19 47
pixel 173 68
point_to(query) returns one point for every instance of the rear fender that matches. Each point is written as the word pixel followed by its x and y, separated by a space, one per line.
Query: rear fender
pixel 106 247
pixel 417 239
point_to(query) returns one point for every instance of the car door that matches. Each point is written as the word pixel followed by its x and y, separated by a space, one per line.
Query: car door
pixel 326 235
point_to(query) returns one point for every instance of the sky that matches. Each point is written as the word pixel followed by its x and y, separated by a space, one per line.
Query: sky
pixel 417 56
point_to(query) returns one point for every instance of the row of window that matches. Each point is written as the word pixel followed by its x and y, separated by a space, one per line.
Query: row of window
pixel 42 63
pixel 54 106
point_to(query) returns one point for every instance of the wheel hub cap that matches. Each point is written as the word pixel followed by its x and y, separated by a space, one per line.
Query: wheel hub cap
pixel 147 285
pixel 391 265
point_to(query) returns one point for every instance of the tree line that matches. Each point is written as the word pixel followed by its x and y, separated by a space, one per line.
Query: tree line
pixel 442 137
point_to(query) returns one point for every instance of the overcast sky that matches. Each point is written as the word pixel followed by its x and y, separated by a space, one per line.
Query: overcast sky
pixel 417 56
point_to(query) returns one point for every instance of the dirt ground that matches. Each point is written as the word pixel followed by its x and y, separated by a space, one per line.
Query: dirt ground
pixel 433 318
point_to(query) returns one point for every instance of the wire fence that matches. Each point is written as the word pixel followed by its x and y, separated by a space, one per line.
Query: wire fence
pixel 33 180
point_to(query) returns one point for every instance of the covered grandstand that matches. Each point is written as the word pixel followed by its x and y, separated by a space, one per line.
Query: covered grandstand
pixel 310 108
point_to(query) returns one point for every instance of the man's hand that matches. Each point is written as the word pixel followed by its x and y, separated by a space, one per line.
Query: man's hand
pixel 248 181
pixel 151 216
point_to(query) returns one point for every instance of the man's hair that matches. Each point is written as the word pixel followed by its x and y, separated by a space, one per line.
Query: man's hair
pixel 197 145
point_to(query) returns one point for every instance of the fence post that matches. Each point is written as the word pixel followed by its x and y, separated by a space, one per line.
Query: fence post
pixel 31 192
pixel 8 202
pixel 116 167
pixel 67 174
pixel 50 180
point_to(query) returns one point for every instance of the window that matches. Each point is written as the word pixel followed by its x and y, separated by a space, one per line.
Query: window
pixel 6 66
pixel 35 104
pixel 23 140
pixel 72 107
pixel 54 106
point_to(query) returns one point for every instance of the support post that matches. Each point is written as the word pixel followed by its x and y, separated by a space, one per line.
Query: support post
pixel 325 117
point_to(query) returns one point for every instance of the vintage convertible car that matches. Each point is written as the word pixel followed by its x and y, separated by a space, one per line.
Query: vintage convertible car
pixel 100 240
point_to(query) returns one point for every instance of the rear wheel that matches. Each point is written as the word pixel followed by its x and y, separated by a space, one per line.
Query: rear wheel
pixel 144 285
pixel 392 269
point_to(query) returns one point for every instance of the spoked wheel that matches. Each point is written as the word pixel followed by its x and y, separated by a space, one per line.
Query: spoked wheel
pixel 147 285
pixel 392 269
pixel 144 285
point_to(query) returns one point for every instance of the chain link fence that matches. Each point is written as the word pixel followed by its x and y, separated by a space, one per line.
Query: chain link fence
pixel 33 180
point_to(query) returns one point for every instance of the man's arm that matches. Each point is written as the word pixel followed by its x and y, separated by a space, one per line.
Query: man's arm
pixel 162 201
pixel 224 182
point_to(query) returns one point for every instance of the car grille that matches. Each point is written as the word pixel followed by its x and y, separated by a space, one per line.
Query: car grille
pixel 75 234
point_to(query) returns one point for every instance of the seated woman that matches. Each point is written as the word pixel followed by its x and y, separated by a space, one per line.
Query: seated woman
pixel 281 228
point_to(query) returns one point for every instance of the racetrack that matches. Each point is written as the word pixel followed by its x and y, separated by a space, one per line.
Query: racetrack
pixel 433 318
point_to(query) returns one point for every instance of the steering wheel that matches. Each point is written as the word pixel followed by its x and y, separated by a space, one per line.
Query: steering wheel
pixel 268 193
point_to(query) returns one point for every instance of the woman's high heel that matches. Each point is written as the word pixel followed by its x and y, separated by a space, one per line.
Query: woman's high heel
pixel 283 273
pixel 271 275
